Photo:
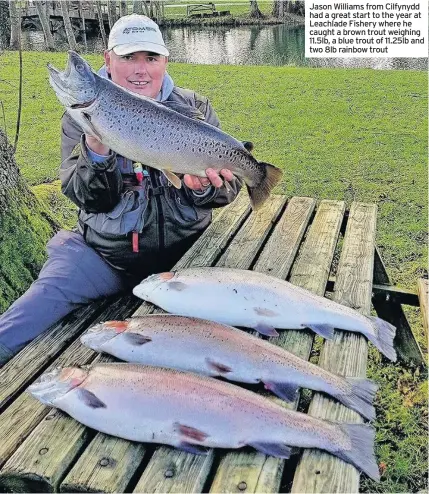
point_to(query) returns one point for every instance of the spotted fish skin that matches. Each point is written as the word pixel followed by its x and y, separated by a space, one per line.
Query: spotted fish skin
pixel 149 404
pixel 255 300
pixel 214 349
pixel 147 131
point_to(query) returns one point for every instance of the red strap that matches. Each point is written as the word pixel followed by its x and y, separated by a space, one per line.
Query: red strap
pixel 135 241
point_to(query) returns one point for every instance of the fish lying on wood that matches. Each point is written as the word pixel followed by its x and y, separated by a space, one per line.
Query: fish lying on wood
pixel 167 136
pixel 255 300
pixel 213 349
pixel 191 412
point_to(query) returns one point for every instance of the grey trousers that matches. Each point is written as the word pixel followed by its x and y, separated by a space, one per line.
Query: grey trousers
pixel 73 275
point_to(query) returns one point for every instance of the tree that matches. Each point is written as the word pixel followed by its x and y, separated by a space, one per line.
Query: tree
pixel 25 227
pixel 101 22
pixel 255 13
pixel 68 27
pixel 111 12
pixel 45 25
pixel 138 7
pixel 281 8
pixel 15 24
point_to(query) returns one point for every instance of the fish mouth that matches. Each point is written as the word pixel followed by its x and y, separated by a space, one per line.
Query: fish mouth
pixel 56 383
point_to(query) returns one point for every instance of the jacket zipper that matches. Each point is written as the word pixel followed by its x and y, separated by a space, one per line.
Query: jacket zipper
pixel 155 182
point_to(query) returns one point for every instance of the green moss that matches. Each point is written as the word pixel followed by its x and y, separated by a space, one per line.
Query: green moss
pixel 25 229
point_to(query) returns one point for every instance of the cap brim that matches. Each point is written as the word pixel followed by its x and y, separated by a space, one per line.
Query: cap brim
pixel 129 48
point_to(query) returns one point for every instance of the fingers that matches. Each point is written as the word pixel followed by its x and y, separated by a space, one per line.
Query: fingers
pixel 196 183
pixel 213 177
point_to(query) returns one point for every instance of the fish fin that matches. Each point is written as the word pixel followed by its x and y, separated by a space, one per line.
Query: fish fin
pixel 191 432
pixel 91 127
pixel 193 448
pixel 361 452
pixel 383 338
pixel 286 391
pixel 360 397
pixel 218 367
pixel 248 145
pixel 228 188
pixel 273 449
pixel 173 178
pixel 266 329
pixel 324 330
pixel 186 110
pixel 90 399
pixel 136 339
pixel 260 192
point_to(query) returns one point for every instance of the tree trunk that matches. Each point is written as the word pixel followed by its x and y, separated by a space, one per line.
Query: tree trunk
pixel 25 227
pixel 123 8
pixel 82 26
pixel 255 13
pixel 111 12
pixel 101 23
pixel 137 7
pixel 45 25
pixel 68 27
pixel 280 9
pixel 15 24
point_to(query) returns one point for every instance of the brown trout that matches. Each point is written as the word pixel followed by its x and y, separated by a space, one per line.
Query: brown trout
pixel 255 300
pixel 191 412
pixel 167 136
pixel 213 349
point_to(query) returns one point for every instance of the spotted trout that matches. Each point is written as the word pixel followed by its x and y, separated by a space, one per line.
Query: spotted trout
pixel 193 413
pixel 255 300
pixel 213 349
pixel 167 136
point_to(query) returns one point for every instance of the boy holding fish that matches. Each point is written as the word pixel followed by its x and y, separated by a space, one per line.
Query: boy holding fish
pixel 132 222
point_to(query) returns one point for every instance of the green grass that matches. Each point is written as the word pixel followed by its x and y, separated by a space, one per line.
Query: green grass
pixel 347 134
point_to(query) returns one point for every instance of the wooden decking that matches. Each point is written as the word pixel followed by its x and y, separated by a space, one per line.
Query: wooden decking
pixel 43 450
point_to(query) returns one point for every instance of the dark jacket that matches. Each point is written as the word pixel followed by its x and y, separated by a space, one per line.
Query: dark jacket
pixel 136 228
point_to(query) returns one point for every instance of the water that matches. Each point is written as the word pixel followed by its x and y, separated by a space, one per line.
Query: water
pixel 244 45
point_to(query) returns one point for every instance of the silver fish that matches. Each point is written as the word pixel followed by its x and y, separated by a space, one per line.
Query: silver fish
pixel 191 412
pixel 213 349
pixel 255 300
pixel 167 136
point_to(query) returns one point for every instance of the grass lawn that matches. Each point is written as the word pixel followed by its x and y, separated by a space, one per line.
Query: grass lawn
pixel 352 134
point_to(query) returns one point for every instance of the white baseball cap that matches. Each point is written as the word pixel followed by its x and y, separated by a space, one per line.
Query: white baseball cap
pixel 136 32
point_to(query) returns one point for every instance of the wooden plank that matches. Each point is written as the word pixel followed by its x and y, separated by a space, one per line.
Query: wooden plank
pixel 175 471
pixel 252 236
pixel 86 474
pixel 96 470
pixel 35 357
pixel 405 343
pixel 255 472
pixel 346 354
pixel 287 234
pixel 258 225
pixel 423 287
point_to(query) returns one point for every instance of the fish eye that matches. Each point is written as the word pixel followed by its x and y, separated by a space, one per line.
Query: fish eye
pixel 79 67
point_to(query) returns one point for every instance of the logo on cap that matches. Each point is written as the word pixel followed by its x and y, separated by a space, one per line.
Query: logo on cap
pixel 137 29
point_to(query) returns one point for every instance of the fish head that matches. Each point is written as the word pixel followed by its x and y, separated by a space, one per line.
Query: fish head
pixel 98 335
pixel 54 384
pixel 152 283
pixel 77 86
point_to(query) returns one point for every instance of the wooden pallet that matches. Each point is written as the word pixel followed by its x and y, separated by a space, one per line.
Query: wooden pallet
pixel 43 450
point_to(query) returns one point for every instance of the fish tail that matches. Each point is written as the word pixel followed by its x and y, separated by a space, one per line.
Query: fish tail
pixel 361 396
pixel 261 191
pixel 383 336
pixel 361 451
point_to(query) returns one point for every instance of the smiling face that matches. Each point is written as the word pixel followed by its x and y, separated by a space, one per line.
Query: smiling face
pixel 141 72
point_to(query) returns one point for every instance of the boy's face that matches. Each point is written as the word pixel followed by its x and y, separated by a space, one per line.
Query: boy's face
pixel 141 72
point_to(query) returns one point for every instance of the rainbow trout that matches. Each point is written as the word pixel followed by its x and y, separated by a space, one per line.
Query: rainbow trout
pixel 213 349
pixel 255 300
pixel 167 136
pixel 193 413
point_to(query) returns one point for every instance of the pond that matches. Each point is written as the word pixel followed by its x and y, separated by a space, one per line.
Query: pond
pixel 245 45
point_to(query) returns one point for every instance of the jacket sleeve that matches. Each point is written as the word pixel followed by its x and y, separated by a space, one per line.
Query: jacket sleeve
pixel 213 197
pixel 93 187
